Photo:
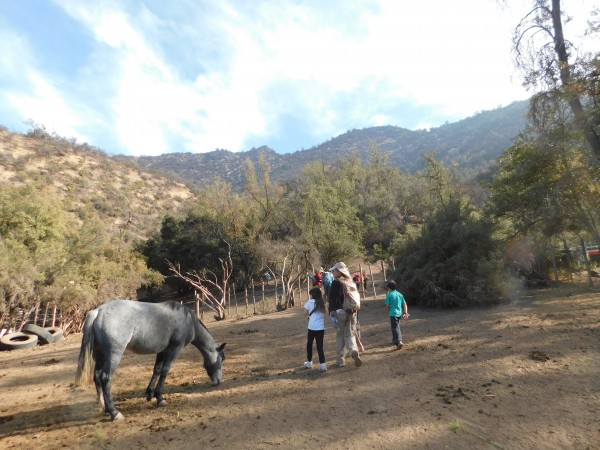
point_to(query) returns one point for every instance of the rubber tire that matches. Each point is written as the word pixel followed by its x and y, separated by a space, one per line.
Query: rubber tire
pixel 56 334
pixel 44 336
pixel 18 340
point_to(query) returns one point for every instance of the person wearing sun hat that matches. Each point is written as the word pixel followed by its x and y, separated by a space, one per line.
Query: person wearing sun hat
pixel 347 319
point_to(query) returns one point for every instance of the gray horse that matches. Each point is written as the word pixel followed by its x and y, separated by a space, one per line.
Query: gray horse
pixel 146 328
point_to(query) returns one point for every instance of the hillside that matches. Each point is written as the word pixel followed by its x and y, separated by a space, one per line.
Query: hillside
pixel 140 190
pixel 84 177
pixel 473 144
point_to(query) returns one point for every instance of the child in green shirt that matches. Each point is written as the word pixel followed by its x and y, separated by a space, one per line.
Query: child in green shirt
pixel 398 309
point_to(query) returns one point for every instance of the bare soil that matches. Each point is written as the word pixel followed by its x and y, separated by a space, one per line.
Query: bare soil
pixel 522 375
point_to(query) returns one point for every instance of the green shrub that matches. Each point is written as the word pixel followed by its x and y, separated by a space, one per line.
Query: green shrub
pixel 454 262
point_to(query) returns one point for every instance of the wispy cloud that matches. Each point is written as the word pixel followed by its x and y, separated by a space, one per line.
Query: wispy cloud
pixel 195 75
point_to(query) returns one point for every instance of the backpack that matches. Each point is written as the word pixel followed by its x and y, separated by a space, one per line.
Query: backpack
pixel 351 296
pixel 327 279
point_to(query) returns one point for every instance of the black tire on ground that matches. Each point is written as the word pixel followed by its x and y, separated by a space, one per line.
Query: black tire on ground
pixel 56 333
pixel 18 340
pixel 44 336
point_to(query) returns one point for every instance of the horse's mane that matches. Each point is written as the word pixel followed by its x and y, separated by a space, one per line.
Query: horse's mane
pixel 175 305
pixel 195 319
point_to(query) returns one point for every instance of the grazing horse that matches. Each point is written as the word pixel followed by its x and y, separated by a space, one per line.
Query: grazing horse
pixel 146 328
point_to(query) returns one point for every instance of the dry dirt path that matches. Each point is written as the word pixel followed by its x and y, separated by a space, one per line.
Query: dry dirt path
pixel 517 376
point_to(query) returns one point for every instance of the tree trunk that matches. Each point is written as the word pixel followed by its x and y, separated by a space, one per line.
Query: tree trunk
pixel 565 77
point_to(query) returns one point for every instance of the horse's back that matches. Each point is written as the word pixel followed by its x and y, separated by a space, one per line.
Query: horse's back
pixel 141 327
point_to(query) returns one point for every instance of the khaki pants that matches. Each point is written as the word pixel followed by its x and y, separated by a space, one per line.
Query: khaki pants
pixel 345 340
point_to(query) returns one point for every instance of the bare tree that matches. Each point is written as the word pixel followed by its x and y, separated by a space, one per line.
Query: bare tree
pixel 551 61
pixel 213 290
pixel 288 262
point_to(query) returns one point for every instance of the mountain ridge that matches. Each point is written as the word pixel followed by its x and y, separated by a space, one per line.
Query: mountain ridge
pixel 472 143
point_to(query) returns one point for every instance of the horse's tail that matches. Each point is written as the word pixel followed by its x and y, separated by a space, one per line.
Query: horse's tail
pixel 85 366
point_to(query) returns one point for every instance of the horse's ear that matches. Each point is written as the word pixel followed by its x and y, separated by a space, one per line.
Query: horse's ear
pixel 221 347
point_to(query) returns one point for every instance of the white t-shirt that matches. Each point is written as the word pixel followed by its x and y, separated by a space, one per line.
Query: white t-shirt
pixel 316 321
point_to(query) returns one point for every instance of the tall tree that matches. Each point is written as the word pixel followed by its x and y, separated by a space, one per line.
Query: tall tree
pixel 545 185
pixel 329 210
pixel 268 199
pixel 546 58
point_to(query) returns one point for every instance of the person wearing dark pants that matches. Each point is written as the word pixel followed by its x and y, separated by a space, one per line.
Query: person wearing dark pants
pixel 398 310
pixel 314 309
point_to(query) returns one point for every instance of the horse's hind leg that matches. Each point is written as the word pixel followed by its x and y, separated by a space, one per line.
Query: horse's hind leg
pixel 98 383
pixel 99 362
pixel 105 373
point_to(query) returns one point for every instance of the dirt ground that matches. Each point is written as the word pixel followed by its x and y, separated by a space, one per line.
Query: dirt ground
pixel 522 375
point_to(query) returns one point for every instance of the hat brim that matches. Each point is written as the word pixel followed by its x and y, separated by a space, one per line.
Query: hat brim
pixel 344 272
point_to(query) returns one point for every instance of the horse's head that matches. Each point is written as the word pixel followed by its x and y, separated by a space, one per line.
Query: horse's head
pixel 213 366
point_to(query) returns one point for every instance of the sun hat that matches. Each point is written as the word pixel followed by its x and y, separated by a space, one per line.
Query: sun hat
pixel 342 268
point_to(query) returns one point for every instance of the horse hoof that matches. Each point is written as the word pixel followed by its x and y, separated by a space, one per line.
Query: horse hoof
pixel 119 416
pixel 163 402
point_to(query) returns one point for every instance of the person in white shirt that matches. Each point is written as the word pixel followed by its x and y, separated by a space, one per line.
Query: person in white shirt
pixel 314 309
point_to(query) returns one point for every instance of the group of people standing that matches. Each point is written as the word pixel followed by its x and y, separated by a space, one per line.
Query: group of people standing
pixel 345 320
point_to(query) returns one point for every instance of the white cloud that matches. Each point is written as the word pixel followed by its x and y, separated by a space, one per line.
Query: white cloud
pixel 50 108
pixel 198 75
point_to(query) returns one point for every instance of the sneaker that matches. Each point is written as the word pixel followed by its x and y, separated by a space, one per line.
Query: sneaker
pixel 308 364
pixel 356 358
pixel 399 346
pixel 323 367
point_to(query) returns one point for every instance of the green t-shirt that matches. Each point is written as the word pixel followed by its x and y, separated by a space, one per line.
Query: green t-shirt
pixel 396 301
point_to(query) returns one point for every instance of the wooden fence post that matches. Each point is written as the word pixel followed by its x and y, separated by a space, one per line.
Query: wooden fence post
pixel 235 300
pixel 300 282
pixel 35 315
pixel 587 263
pixel 362 281
pixel 372 281
pixel 263 296
pixel 46 312
pixel 253 296
pixel 246 299
pixel 383 270
pixel 228 300
pixel 284 296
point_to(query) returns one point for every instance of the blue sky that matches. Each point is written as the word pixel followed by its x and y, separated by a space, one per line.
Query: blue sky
pixel 151 77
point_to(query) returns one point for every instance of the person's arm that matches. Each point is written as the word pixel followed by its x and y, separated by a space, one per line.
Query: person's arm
pixel 306 306
pixel 405 310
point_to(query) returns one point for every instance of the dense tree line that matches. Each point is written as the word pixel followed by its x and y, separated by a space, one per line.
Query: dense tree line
pixel 449 243
pixel 448 247
pixel 49 255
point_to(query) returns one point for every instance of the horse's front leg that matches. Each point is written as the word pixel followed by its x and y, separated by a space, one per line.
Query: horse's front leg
pixel 155 374
pixel 169 357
